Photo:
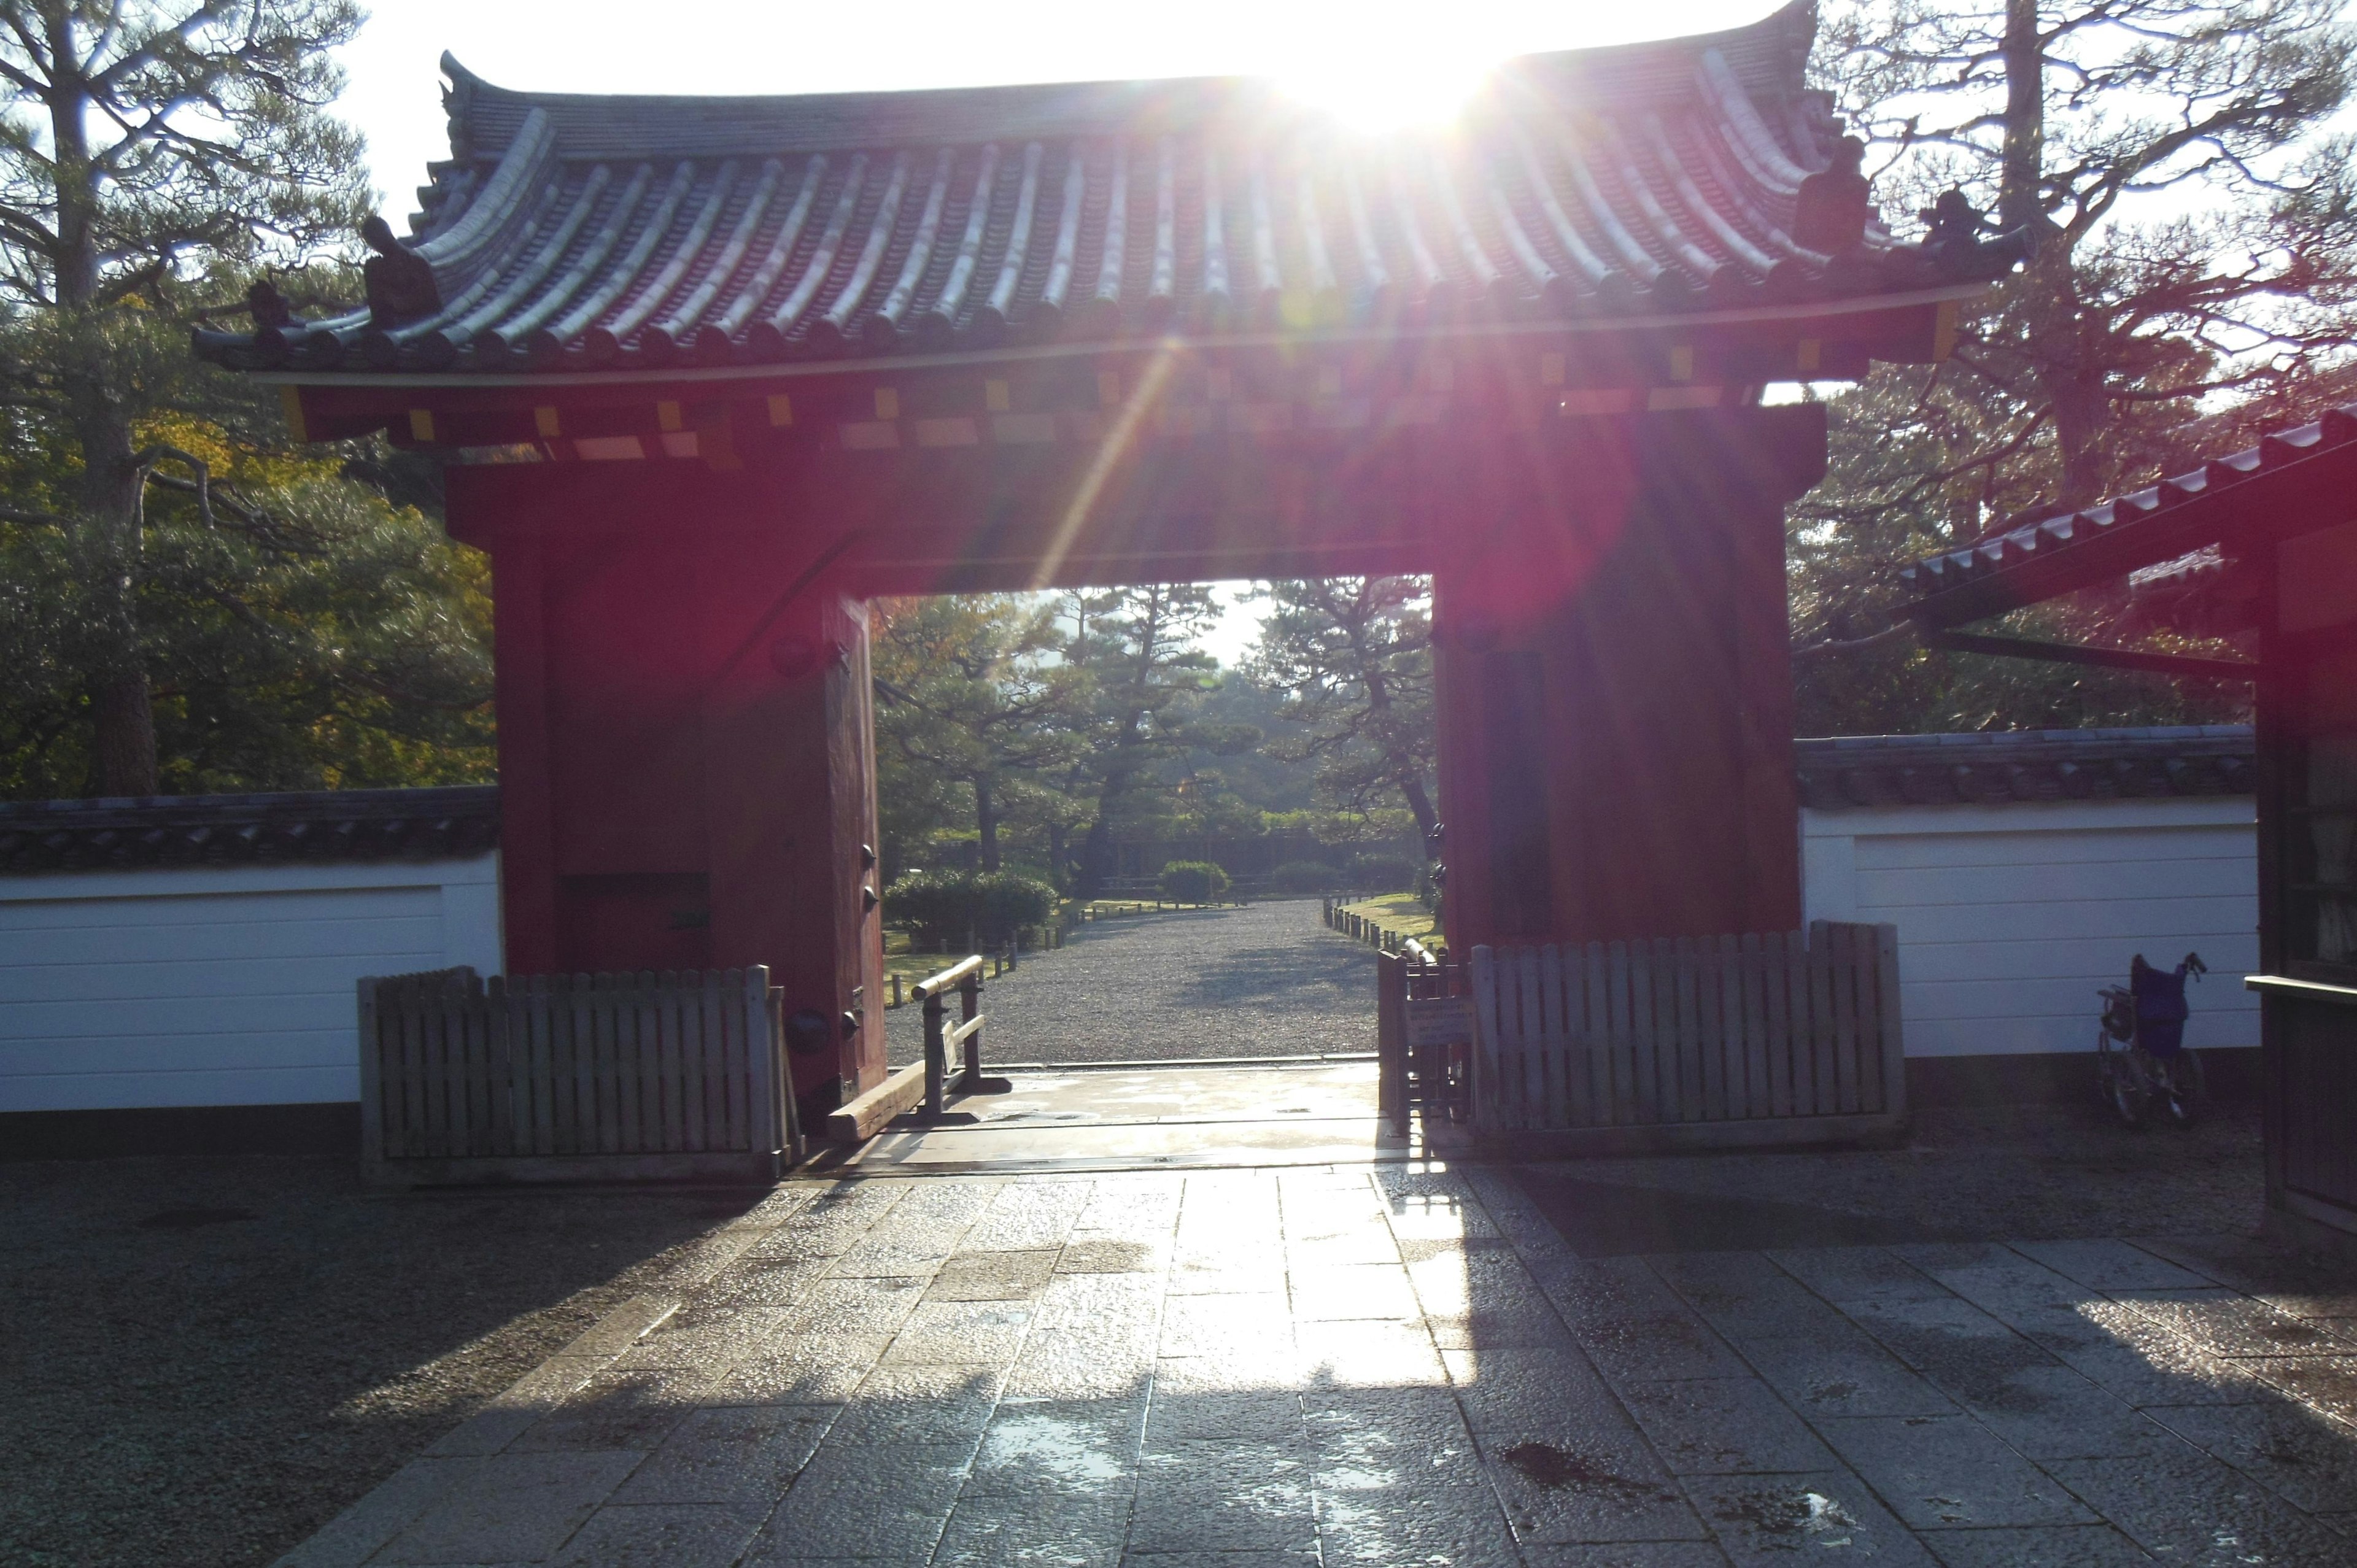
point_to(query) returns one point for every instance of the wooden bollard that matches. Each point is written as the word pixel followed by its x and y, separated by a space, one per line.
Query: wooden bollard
pixel 896 989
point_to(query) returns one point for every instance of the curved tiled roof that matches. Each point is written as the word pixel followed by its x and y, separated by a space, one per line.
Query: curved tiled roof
pixel 198 830
pixel 2160 525
pixel 577 232
pixel 1996 766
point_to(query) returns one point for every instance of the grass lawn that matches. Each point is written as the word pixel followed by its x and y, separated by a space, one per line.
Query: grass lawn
pixel 1400 912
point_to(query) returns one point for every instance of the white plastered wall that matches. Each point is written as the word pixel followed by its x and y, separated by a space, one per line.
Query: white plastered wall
pixel 218 985
pixel 2011 916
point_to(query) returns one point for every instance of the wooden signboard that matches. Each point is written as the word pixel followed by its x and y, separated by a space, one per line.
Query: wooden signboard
pixel 1439 1021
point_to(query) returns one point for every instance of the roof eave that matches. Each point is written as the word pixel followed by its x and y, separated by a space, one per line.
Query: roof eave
pixel 2283 494
pixel 1558 328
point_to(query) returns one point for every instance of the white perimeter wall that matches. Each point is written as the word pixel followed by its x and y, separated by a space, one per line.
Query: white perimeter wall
pixel 233 985
pixel 227 985
pixel 2011 916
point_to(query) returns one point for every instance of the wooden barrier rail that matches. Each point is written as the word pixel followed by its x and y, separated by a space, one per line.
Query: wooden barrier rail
pixel 1709 1043
pixel 677 1075
pixel 965 979
pixel 926 1082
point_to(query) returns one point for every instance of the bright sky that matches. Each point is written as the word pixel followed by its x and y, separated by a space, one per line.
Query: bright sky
pixel 1376 62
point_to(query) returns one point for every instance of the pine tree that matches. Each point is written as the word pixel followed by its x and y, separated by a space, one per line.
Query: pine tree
pixel 2195 225
pixel 142 143
pixel 1353 656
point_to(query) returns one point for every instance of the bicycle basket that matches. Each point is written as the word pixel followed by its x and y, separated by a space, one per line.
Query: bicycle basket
pixel 2160 1007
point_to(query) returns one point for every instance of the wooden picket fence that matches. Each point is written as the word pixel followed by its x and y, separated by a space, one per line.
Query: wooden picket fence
pixel 1698 1043
pixel 671 1076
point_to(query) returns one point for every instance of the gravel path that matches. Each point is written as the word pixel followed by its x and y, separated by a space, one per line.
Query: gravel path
pixel 204 1359
pixel 1263 981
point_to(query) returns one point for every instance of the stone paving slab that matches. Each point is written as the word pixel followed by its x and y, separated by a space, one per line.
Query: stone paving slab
pixel 1398 1365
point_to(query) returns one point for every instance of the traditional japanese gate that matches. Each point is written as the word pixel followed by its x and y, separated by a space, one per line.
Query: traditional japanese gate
pixel 717 369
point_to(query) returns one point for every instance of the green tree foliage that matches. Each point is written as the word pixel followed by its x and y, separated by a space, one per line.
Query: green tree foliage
pixel 973 698
pixel 1354 658
pixel 187 605
pixel 2196 231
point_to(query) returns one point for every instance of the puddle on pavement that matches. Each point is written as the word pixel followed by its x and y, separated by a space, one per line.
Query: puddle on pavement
pixel 1556 1468
pixel 1790 1513
pixel 1067 1451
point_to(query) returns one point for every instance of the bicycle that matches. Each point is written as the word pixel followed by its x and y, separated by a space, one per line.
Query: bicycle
pixel 2140 1050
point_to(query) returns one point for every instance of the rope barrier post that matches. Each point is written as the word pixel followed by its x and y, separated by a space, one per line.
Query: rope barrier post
pixel 936 1057
pixel 969 1008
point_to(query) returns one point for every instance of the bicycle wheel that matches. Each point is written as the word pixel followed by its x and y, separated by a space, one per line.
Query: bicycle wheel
pixel 2183 1087
pixel 2123 1087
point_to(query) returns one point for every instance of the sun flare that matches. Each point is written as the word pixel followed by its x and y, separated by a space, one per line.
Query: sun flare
pixel 1376 90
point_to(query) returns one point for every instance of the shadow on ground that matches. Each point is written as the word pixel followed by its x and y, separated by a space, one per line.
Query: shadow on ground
pixel 205 1359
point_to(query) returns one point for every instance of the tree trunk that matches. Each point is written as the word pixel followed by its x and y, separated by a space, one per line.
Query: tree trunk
pixel 986 823
pixel 112 482
pixel 1406 770
pixel 1419 805
pixel 2082 420
pixel 125 719
pixel 2076 393
pixel 126 737
pixel 2021 193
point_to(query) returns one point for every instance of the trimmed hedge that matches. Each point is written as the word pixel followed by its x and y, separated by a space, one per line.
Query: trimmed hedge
pixel 1192 881
pixel 946 906
pixel 1385 873
pixel 1305 877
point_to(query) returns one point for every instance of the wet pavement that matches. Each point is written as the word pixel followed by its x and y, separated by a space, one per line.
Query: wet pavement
pixel 1166 1116
pixel 1396 1364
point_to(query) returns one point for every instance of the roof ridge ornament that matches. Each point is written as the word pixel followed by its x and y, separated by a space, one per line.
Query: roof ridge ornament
pixel 400 282
pixel 1955 246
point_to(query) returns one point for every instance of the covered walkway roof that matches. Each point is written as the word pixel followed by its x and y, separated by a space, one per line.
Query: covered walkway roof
pixel 2230 504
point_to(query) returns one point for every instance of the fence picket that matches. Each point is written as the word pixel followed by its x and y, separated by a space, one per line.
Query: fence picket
pixel 766 1131
pixel 1868 1016
pixel 644 1054
pixel 479 1136
pixel 1731 1027
pixel 1691 1083
pixel 535 1072
pixel 677 1112
pixel 492 1012
pixel 734 1056
pixel 1842 969
pixel 1644 975
pixel 1620 1019
pixel 436 1069
pixel 1751 975
pixel 1485 1039
pixel 1892 1045
pixel 1531 1080
pixel 1554 1039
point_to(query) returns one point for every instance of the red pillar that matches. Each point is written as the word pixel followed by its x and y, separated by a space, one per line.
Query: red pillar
pixel 1615 692
pixel 686 756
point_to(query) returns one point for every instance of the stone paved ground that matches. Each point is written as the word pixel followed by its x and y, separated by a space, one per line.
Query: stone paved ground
pixel 1396 1366
pixel 1263 981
